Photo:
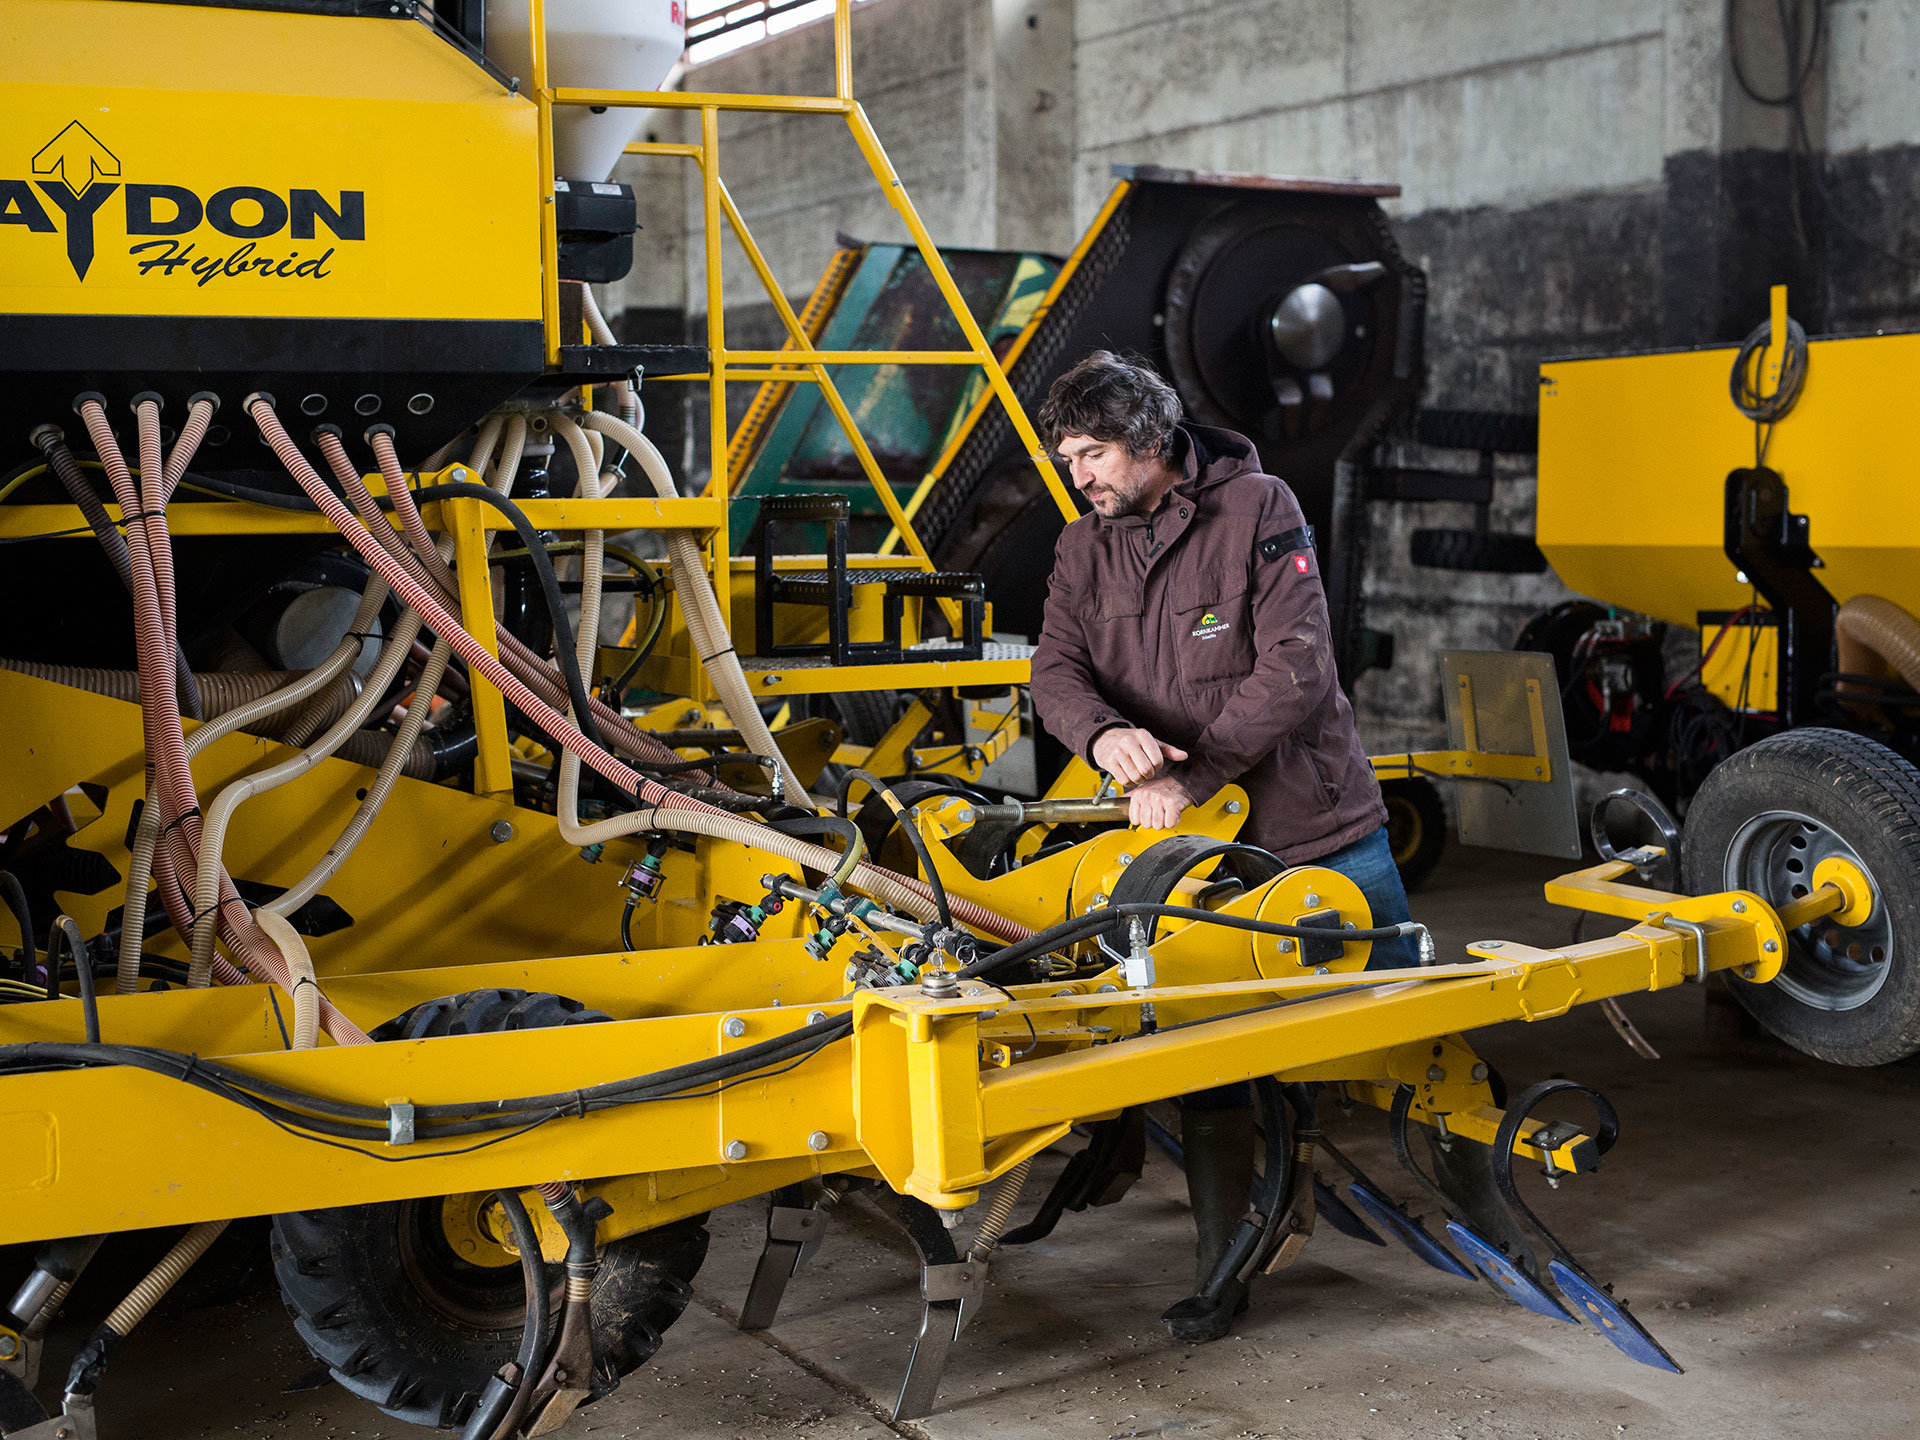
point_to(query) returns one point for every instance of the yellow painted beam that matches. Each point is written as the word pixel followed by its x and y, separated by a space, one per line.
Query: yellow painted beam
pixel 492 766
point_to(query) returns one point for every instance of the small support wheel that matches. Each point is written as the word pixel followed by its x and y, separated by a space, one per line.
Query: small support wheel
pixel 1768 820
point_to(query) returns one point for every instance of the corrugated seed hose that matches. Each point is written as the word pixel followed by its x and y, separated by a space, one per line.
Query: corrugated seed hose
pixel 1870 629
pixel 686 812
pixel 175 855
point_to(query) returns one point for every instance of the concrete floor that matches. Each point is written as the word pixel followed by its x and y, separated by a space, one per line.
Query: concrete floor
pixel 1758 1214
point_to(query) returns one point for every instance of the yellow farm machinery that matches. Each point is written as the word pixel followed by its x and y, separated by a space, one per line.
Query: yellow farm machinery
pixel 358 876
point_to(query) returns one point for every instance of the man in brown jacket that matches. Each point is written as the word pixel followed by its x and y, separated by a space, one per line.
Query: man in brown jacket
pixel 1186 646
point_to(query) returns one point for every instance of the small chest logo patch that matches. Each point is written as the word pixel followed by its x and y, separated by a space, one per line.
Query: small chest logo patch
pixel 1300 563
pixel 1210 625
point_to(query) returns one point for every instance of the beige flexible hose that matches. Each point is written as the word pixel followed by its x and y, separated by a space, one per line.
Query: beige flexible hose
pixel 1873 633
pixel 219 815
pixel 221 691
pixel 706 626
pixel 401 757
pixel 569 736
pixel 176 1262
pixel 163 1277
pixel 305 993
pixel 140 866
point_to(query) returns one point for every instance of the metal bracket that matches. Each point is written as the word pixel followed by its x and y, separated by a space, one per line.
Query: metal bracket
pixel 794 1232
pixel 1699 932
pixel 399 1122
pixel 76 1422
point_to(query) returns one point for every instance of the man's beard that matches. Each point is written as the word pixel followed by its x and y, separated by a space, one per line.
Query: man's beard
pixel 1123 502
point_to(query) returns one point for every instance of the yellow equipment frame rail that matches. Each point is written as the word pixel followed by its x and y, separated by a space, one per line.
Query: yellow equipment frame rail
pixel 931 1095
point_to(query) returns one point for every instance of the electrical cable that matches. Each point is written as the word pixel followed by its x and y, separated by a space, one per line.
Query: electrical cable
pixel 904 823
pixel 16 898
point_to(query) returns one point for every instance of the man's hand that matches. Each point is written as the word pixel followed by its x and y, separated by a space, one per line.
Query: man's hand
pixel 1157 804
pixel 1133 756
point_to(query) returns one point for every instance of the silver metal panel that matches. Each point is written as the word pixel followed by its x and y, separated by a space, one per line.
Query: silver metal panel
pixel 1531 816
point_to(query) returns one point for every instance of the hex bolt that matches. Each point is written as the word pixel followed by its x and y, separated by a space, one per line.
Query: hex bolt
pixel 458 475
pixel 1233 807
pixel 814 1017
pixel 735 1027
pixel 1491 944
pixel 819 1140
pixel 1770 946
pixel 966 815
pixel 1436 1074
pixel 8 1347
pixel 1321 970
pixel 1285 946
pixel 1479 1071
pixel 1747 972
pixel 1126 859
pixel 1097 901
pixel 735 1150
pixel 501 831
pixel 1104 989
pixel 1739 907
pixel 1313 901
pixel 853 972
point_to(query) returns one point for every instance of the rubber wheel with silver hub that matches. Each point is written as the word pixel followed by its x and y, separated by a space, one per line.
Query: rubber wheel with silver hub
pixel 413 1304
pixel 1763 822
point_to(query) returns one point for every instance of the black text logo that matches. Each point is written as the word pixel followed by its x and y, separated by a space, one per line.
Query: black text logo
pixel 79 174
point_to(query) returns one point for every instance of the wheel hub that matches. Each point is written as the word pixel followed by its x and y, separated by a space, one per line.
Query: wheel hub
pixel 1831 965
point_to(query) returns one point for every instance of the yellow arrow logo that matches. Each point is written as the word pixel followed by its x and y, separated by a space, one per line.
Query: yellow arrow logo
pixel 77 157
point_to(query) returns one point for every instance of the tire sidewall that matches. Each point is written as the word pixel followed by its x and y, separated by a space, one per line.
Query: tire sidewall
pixel 1855 788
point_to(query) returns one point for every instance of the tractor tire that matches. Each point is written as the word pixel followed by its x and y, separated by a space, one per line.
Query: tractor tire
pixel 1416 827
pixel 1484 551
pixel 1761 822
pixel 381 1296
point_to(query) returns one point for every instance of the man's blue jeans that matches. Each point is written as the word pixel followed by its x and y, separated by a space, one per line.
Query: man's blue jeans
pixel 1368 862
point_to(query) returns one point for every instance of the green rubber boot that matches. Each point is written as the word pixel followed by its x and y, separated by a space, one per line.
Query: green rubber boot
pixel 1218 1149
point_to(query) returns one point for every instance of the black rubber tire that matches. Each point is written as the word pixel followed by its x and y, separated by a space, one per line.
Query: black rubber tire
pixel 1486 551
pixel 867 715
pixel 1416 827
pixel 344 1278
pixel 1870 798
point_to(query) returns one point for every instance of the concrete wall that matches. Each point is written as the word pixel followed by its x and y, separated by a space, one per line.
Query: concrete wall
pixel 1578 175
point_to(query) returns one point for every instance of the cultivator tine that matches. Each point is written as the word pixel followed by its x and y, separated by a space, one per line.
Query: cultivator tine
pixel 1337 1213
pixel 1591 1299
pixel 948 1284
pixel 1115 1153
pixel 1506 1274
pixel 1610 1317
pixel 1380 1208
pixel 794 1230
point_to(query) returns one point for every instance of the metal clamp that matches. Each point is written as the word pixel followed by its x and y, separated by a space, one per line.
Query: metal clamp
pixel 1699 932
pixel 399 1122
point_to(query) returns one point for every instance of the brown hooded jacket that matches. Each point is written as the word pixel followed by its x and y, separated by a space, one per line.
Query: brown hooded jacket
pixel 1205 624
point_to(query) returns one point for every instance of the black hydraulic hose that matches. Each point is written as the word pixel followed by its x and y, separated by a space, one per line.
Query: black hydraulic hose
pixel 67 932
pixel 16 898
pixel 534 1337
pixel 1092 923
pixel 563 642
pixel 52 442
pixel 905 823
pixel 529 537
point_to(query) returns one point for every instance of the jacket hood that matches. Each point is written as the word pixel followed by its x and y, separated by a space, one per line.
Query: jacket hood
pixel 1209 456
pixel 1213 455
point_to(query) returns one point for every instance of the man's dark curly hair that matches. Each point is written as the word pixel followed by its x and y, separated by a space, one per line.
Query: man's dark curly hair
pixel 1112 397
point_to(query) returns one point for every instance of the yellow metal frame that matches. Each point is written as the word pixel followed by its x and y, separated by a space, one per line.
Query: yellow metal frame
pixel 800 361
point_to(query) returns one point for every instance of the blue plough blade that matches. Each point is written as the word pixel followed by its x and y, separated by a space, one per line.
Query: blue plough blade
pixel 1407 1230
pixel 1610 1317
pixel 1337 1213
pixel 1518 1286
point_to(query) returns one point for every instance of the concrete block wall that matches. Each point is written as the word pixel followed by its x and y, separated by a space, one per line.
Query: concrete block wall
pixel 1578 176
